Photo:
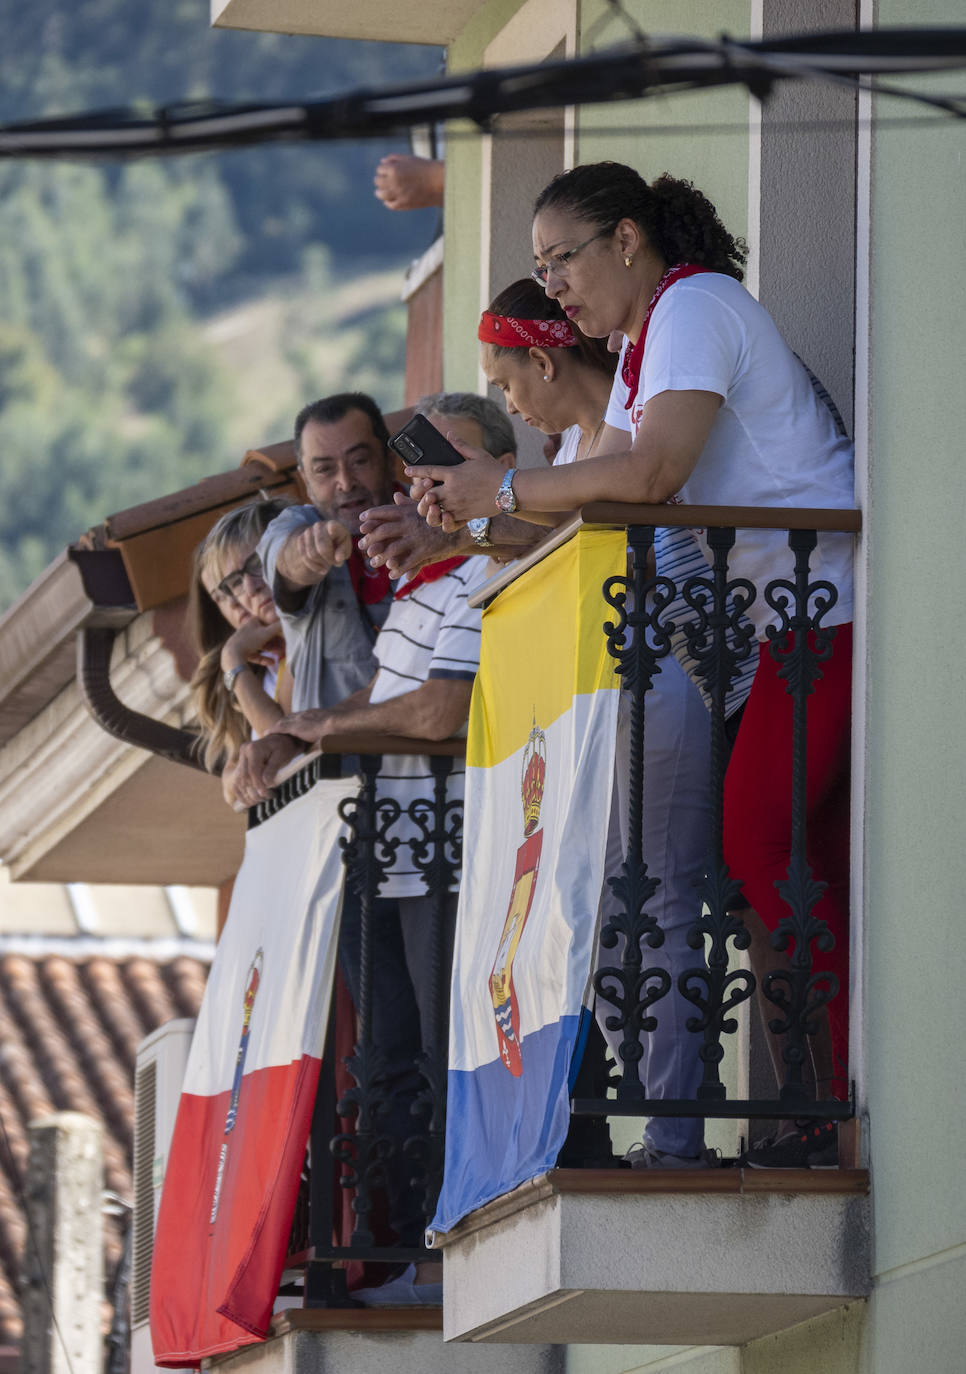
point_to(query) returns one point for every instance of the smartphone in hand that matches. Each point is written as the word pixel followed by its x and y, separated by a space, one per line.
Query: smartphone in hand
pixel 420 443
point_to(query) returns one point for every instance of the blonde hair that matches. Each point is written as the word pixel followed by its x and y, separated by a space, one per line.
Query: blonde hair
pixel 224 728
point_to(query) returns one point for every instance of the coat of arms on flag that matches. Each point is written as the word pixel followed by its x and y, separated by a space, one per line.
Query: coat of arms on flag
pixel 246 1106
pixel 505 1006
pixel 543 727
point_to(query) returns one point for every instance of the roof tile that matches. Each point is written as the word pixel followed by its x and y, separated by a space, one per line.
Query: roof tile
pixel 69 1031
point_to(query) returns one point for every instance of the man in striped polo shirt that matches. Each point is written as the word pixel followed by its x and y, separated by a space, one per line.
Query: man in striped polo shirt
pixel 428 653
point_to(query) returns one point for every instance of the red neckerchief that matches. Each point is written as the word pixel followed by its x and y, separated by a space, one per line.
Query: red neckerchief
pixel 431 573
pixel 371 585
pixel 634 357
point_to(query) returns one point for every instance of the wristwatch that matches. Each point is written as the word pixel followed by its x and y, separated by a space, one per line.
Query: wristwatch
pixel 230 676
pixel 479 528
pixel 506 501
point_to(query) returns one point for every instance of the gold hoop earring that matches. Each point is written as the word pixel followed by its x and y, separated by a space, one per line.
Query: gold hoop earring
pixel 628 260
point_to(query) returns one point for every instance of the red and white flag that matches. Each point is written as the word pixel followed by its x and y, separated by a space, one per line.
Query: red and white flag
pixel 239 1140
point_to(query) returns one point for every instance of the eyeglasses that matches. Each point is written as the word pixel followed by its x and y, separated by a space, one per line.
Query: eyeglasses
pixel 558 263
pixel 231 584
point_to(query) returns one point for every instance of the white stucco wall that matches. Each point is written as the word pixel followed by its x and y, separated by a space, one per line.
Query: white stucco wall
pixel 916 763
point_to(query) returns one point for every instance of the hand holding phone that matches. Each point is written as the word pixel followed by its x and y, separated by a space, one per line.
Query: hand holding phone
pixel 420 443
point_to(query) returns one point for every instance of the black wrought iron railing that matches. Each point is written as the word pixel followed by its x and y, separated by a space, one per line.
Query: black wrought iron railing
pixel 378 1128
pixel 796 988
pixel 355 1149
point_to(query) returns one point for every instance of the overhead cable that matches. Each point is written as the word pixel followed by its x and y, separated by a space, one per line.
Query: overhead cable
pixel 661 66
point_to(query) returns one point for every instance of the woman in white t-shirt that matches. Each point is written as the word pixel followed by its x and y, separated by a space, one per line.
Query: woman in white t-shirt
pixel 560 382
pixel 725 414
pixel 240 686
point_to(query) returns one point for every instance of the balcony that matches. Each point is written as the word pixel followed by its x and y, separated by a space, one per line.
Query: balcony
pixel 590 1250
pixel 705 1256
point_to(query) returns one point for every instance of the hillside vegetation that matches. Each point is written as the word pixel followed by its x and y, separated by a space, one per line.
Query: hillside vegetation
pixel 158 317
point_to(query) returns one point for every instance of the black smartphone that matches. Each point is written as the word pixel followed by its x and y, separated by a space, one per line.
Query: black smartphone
pixel 419 442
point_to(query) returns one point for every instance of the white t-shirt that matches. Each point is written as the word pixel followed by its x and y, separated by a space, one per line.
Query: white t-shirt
pixel 772 443
pixel 431 633
pixel 569 443
pixel 679 556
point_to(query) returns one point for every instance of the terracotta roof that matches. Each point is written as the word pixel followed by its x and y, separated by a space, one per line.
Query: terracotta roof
pixel 69 1032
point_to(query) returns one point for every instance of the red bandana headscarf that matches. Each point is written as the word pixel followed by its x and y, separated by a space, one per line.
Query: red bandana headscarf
pixel 634 357
pixel 507 332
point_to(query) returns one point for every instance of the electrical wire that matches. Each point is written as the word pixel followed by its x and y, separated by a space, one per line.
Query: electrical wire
pixel 729 128
pixel 645 68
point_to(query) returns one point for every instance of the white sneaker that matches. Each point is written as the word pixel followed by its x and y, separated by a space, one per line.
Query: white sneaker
pixel 402 1291
pixel 644 1155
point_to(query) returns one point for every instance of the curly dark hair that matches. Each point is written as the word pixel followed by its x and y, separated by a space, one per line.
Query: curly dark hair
pixel 679 220
pixel 525 300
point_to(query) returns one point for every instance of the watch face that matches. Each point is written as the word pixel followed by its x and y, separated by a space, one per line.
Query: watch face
pixel 505 499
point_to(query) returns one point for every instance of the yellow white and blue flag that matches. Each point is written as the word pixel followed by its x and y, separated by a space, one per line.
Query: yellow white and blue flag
pixel 539 773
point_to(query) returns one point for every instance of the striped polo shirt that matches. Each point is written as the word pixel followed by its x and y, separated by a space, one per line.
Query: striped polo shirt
pixel 430 633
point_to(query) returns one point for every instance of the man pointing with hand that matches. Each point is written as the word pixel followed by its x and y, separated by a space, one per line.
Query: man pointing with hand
pixel 330 601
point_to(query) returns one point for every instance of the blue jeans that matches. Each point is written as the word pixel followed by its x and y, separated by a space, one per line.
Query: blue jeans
pixel 676 840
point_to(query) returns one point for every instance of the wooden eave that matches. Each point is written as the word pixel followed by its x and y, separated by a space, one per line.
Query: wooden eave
pixel 156 540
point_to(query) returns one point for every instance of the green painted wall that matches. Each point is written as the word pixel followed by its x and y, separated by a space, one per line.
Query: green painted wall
pixel 916 859
pixel 828 1345
pixel 703 137
pixel 461 272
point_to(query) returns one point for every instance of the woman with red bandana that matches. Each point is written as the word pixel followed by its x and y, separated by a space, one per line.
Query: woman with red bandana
pixel 723 413
pixel 560 382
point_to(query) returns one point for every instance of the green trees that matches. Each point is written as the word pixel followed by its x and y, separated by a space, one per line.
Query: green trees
pixel 114 387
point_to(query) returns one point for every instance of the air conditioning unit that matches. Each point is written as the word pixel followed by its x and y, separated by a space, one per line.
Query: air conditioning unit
pixel 158 1076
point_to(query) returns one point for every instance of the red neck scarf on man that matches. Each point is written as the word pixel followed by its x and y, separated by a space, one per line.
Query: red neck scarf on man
pixel 371 585
pixel 634 357
pixel 432 572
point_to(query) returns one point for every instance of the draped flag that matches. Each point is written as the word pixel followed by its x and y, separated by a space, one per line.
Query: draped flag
pixel 246 1106
pixel 539 774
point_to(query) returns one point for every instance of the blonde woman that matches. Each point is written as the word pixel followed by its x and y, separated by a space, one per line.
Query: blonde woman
pixel 241 686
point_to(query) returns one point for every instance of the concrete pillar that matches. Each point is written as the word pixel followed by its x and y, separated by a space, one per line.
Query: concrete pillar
pixel 63 1275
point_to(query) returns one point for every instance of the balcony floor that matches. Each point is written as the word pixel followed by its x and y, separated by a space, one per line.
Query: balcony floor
pixel 385 1341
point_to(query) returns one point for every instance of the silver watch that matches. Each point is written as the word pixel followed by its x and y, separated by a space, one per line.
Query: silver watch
pixel 479 528
pixel 231 675
pixel 506 500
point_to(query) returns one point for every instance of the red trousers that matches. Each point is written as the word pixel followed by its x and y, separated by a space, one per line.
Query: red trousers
pixel 758 811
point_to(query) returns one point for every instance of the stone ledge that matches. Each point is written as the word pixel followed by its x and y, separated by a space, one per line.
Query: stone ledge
pixel 636 1181
pixel 366 1320
pixel 627 1258
pixel 377 1343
